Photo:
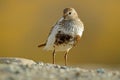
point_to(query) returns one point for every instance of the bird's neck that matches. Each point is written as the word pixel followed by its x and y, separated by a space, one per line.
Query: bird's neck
pixel 72 19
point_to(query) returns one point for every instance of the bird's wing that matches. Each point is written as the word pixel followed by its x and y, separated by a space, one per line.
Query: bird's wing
pixel 51 37
pixel 56 25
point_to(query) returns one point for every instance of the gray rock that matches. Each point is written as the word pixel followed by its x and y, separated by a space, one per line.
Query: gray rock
pixel 24 69
pixel 11 60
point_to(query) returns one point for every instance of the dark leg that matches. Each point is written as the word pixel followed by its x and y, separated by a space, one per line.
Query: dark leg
pixel 65 57
pixel 54 56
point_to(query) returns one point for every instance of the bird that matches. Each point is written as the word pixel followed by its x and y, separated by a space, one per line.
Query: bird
pixel 65 34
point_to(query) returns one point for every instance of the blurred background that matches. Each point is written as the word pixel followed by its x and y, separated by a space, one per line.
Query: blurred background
pixel 26 23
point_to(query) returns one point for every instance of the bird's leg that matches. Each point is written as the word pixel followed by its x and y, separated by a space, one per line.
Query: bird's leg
pixel 65 58
pixel 54 56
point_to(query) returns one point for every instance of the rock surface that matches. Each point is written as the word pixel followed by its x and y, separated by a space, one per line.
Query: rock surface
pixel 24 69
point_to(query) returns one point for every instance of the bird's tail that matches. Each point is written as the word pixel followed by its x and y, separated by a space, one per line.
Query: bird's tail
pixel 41 45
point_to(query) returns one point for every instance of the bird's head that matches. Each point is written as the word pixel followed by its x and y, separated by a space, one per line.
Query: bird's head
pixel 69 13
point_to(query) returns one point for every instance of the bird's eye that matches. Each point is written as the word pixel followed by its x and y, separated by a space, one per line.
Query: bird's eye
pixel 69 13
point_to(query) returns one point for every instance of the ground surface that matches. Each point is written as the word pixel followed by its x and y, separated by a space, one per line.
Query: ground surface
pixel 24 69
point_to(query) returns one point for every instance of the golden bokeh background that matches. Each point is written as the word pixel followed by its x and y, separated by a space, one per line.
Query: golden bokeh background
pixel 26 23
